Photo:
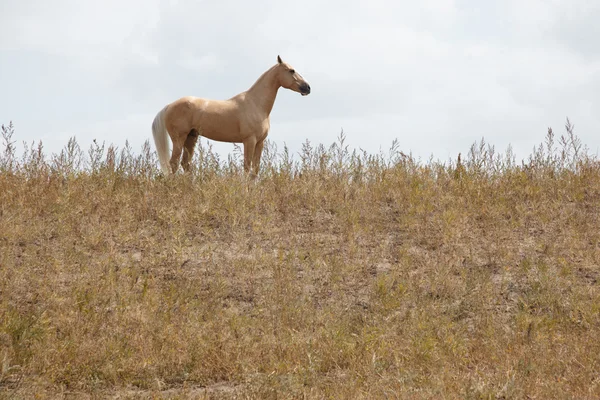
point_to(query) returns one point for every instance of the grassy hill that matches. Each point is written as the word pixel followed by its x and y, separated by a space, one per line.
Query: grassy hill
pixel 336 274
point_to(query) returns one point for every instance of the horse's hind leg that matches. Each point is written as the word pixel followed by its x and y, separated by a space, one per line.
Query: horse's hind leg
pixel 176 155
pixel 188 149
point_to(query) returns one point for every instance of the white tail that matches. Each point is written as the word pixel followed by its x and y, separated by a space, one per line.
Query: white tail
pixel 161 140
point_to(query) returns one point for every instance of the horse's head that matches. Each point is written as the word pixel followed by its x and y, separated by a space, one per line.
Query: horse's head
pixel 289 78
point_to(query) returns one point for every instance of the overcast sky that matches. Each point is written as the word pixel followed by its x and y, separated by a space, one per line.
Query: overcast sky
pixel 435 74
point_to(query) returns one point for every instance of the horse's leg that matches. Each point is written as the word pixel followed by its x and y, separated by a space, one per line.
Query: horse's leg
pixel 249 145
pixel 256 160
pixel 188 149
pixel 176 154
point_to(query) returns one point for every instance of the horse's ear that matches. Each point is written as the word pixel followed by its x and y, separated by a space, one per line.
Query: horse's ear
pixel 279 59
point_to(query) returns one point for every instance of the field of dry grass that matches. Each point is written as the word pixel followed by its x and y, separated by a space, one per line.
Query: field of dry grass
pixel 336 274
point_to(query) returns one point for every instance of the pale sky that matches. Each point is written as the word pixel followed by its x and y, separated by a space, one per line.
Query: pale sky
pixel 435 74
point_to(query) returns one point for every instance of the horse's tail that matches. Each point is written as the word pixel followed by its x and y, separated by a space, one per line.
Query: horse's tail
pixel 161 140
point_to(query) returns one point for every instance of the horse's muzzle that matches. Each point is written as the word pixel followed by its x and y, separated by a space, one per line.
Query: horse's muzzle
pixel 305 89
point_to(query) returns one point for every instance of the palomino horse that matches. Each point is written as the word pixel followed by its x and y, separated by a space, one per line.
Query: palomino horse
pixel 243 118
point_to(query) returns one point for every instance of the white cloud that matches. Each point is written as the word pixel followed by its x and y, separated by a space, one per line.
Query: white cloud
pixel 100 36
pixel 199 63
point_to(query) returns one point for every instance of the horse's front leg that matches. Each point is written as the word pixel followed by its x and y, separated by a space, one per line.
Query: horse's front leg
pixel 256 159
pixel 249 147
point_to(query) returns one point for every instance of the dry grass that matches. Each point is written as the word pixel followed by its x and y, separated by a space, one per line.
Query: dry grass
pixel 338 275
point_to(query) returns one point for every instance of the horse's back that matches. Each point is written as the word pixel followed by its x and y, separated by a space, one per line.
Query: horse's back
pixel 191 104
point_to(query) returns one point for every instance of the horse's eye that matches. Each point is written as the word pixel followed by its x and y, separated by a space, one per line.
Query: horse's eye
pixel 292 71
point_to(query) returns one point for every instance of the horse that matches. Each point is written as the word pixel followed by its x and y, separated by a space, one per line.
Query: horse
pixel 244 118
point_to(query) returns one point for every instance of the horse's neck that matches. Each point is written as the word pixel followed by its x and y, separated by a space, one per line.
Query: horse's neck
pixel 264 91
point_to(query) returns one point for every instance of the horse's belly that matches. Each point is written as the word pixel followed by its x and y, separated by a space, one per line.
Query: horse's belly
pixel 220 135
